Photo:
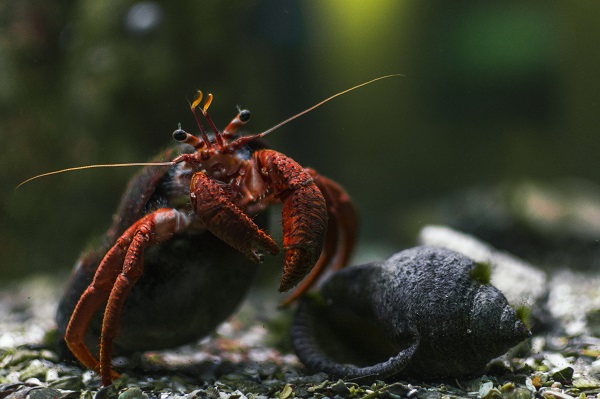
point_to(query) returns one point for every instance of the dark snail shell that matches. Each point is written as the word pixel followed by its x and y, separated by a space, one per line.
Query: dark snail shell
pixel 425 312
pixel 191 283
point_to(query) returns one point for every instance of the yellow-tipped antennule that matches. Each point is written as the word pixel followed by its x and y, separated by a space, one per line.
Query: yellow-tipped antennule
pixel 197 100
pixel 207 103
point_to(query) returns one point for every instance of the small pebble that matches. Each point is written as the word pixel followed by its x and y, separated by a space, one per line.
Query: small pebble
pixel 109 392
pixel 562 375
pixel 133 393
pixel 72 383
pixel 340 388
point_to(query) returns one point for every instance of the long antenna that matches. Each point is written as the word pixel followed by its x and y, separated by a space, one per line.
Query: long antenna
pixel 291 118
pixel 110 165
pixel 241 141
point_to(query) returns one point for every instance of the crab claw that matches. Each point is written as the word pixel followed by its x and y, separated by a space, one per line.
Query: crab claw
pixel 226 221
pixel 304 219
pixel 304 214
pixel 341 234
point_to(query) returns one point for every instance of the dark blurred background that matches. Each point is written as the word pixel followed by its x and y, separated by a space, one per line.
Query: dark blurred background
pixel 492 93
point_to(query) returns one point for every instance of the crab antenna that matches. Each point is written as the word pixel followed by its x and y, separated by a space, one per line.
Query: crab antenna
pixel 325 101
pixel 194 108
pixel 243 140
pixel 110 165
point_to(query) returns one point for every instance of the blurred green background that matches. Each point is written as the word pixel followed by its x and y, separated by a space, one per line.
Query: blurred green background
pixel 492 92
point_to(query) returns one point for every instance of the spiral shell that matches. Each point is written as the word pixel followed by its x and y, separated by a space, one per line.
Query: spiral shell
pixel 425 312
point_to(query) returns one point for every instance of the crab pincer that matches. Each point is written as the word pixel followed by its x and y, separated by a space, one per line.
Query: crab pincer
pixel 225 220
pixel 304 215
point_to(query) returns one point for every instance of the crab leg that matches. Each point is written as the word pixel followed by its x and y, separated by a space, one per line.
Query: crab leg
pixel 91 300
pixel 304 214
pixel 114 279
pixel 342 210
pixel 342 217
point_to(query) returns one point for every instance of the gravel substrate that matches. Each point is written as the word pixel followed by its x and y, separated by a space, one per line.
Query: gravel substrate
pixel 249 357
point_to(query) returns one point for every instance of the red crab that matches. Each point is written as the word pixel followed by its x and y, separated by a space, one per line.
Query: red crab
pixel 173 213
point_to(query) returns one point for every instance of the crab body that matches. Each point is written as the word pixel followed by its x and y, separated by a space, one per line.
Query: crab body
pixel 182 249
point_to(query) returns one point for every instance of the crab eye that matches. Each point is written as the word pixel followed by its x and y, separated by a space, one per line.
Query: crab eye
pixel 244 115
pixel 179 135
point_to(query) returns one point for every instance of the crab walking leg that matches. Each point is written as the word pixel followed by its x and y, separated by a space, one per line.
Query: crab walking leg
pixel 344 213
pixel 92 299
pixel 150 230
pixel 132 270
pixel 114 278
pixel 225 220
pixel 304 214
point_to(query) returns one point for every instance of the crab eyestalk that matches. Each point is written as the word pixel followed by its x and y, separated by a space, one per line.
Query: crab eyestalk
pixel 184 137
pixel 240 119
